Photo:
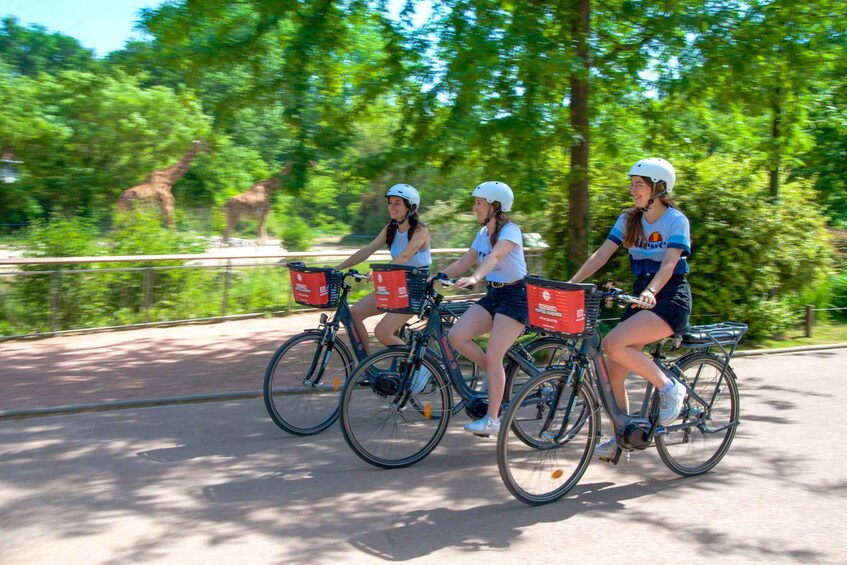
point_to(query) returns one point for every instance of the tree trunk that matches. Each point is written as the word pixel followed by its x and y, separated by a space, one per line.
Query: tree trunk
pixel 578 183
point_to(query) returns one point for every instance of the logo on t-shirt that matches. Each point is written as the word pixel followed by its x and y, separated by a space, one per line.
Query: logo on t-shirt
pixel 655 237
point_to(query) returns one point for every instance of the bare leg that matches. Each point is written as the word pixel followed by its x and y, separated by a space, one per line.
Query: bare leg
pixel 625 343
pixel 504 333
pixel 476 321
pixel 363 309
pixel 386 330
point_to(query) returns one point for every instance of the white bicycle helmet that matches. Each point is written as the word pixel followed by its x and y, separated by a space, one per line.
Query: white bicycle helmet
pixel 655 169
pixel 406 192
pixel 496 191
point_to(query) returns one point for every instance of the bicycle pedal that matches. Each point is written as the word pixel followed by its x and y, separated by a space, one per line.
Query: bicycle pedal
pixel 482 435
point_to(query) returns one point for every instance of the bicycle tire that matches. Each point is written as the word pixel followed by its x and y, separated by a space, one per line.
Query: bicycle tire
pixel 380 432
pixel 546 469
pixel 547 353
pixel 691 450
pixel 295 405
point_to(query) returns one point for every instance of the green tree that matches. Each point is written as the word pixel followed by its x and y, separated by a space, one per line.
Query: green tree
pixel 110 135
pixel 765 60
pixel 33 50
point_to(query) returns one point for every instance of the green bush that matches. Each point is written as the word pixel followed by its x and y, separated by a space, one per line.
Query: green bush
pixel 752 259
pixel 296 235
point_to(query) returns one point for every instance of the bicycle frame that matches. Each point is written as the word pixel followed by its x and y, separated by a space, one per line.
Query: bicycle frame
pixel 637 430
pixel 329 330
pixel 476 402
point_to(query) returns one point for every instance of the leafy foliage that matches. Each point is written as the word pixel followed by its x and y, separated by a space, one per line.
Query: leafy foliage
pixel 555 98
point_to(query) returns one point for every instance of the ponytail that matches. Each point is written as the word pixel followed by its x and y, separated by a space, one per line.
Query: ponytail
pixel 500 220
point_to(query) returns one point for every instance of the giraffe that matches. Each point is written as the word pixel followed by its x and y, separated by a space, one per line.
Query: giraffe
pixel 256 202
pixel 157 188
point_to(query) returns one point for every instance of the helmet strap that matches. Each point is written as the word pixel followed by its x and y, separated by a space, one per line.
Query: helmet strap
pixel 652 199
pixel 491 214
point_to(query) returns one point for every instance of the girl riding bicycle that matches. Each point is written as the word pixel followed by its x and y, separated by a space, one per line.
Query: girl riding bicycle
pixel 502 312
pixel 657 235
pixel 408 240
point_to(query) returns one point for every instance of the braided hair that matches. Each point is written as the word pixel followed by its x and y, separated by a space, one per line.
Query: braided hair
pixel 393 225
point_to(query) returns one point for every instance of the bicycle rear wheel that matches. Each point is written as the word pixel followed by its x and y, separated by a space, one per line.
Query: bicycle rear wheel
pixel 380 431
pixel 547 438
pixel 698 447
pixel 303 383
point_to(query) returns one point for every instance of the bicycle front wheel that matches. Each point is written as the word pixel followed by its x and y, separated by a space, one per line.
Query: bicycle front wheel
pixel 547 438
pixel 303 383
pixel 381 431
pixel 711 423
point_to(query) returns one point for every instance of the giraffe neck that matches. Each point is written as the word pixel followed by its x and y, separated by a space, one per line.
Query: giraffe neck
pixel 178 169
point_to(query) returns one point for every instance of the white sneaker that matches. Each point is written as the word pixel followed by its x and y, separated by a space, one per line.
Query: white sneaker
pixel 606 451
pixel 484 426
pixel 670 404
pixel 420 379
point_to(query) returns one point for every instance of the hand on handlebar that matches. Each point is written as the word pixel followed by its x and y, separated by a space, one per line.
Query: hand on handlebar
pixel 443 279
pixel 466 282
pixel 646 300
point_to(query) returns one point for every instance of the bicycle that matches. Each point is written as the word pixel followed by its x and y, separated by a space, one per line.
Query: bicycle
pixel 558 414
pixel 392 416
pixel 304 377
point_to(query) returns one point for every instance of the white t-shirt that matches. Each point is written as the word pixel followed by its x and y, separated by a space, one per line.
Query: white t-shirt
pixel 510 268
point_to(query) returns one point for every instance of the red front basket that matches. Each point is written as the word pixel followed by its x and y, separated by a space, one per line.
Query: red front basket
pixel 557 310
pixel 310 288
pixel 392 290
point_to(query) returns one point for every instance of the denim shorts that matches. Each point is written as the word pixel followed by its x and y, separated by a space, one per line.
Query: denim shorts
pixel 507 300
pixel 673 303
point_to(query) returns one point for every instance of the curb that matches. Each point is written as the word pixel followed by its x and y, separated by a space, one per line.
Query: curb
pixel 800 349
pixel 248 394
pixel 124 404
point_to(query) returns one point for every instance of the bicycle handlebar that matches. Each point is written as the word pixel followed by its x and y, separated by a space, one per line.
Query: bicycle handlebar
pixel 356 275
pixel 619 296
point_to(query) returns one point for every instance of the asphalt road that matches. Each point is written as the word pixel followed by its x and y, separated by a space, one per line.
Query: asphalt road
pixel 219 483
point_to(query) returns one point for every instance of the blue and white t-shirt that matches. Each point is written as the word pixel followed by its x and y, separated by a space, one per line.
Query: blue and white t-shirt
pixel 670 231
pixel 510 268
pixel 421 258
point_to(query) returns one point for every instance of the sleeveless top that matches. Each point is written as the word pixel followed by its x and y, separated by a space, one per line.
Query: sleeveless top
pixel 421 258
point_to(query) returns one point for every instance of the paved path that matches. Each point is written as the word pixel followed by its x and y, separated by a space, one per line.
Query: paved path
pixel 130 365
pixel 219 483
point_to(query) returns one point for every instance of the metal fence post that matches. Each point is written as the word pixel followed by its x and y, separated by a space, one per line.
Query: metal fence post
pixel 147 292
pixel 810 319
pixel 226 287
pixel 55 299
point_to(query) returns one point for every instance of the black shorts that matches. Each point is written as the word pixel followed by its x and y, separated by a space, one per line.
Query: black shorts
pixel 507 300
pixel 673 303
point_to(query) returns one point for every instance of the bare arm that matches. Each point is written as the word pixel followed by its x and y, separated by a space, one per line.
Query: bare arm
pixel 420 239
pixel 661 277
pixel 597 260
pixel 461 264
pixel 365 252
pixel 501 249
